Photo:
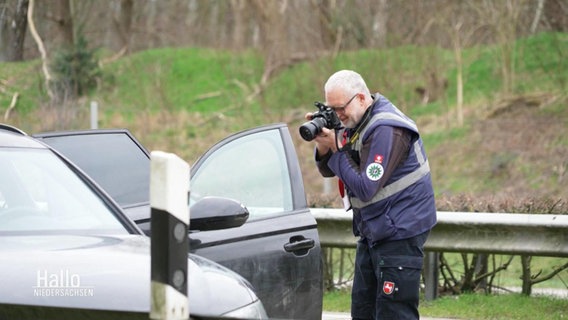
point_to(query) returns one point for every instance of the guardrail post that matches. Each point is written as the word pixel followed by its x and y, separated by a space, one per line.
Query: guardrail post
pixel 169 190
pixel 431 274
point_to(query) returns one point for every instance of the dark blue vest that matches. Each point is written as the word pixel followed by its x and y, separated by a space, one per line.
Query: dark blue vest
pixel 405 206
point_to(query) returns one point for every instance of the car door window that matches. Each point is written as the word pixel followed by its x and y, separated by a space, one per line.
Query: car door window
pixel 252 170
pixel 113 159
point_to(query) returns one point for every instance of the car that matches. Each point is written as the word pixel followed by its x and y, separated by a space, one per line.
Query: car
pixel 67 248
pixel 277 248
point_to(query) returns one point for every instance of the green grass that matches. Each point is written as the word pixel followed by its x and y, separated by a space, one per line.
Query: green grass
pixel 23 78
pixel 435 139
pixel 510 306
pixel 190 79
pixel 473 306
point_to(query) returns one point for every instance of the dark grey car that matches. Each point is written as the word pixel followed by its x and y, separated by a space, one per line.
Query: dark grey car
pixel 66 248
pixel 277 249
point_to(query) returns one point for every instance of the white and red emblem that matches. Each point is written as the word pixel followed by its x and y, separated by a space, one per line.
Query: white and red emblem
pixel 379 158
pixel 388 287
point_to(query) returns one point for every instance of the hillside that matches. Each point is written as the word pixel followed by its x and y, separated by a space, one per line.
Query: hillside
pixel 511 152
pixel 518 147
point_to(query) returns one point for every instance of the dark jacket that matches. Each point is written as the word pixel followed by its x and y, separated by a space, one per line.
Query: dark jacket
pixel 392 206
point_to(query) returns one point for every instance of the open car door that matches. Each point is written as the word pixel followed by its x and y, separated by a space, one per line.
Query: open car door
pixel 278 248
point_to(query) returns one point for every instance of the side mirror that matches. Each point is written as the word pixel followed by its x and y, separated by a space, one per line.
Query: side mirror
pixel 216 213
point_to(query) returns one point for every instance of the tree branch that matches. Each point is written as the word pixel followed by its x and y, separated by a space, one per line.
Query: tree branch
pixel 550 275
pixel 41 49
pixel 12 106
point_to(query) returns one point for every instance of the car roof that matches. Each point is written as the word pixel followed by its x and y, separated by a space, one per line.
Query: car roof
pixel 13 137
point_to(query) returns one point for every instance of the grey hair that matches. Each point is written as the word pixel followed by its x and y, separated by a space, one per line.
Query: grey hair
pixel 348 81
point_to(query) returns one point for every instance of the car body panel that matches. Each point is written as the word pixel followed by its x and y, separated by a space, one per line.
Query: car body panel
pixel 277 249
pixel 55 254
pixel 83 272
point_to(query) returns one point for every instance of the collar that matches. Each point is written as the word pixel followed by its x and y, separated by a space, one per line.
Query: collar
pixel 357 130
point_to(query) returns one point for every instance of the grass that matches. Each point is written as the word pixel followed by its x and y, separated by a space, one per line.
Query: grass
pixel 473 306
pixel 509 306
pixel 173 79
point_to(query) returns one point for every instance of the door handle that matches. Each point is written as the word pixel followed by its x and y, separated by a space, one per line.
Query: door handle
pixel 299 243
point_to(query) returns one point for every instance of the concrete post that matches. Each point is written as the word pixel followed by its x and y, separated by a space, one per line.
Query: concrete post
pixel 94 115
pixel 169 191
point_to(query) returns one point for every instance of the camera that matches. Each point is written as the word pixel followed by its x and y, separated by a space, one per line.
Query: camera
pixel 325 117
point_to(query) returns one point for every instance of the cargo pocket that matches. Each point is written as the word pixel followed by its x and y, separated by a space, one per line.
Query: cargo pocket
pixel 399 278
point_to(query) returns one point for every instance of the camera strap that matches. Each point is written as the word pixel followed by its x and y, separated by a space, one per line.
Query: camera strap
pixel 347 146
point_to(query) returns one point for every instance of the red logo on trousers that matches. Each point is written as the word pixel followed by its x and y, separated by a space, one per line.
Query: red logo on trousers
pixel 388 287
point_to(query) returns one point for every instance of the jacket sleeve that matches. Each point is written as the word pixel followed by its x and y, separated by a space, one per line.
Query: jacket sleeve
pixel 321 164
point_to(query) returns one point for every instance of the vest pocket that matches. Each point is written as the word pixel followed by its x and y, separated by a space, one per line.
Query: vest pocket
pixel 377 228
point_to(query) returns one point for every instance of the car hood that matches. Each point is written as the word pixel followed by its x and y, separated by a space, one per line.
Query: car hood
pixel 105 273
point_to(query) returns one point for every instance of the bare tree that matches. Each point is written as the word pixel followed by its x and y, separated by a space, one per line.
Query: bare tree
pixel 329 34
pixel 63 22
pixel 379 24
pixel 273 33
pixel 503 17
pixel 239 27
pixel 122 22
pixel 537 16
pixel 456 21
pixel 13 26
pixel 530 279
pixel 41 49
pixel 556 15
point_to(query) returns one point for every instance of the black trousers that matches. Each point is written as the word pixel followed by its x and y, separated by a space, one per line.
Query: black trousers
pixel 386 282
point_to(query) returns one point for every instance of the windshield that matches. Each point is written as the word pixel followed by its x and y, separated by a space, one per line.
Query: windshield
pixel 39 192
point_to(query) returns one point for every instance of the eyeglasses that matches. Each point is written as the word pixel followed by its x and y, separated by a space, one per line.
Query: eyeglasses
pixel 342 108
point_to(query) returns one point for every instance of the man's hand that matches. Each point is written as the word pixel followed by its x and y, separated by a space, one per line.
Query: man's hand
pixel 325 141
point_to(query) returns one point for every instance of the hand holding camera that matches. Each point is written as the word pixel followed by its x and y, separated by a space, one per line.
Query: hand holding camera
pixel 325 117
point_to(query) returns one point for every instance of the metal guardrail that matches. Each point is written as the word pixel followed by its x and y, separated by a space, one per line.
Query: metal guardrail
pixel 502 233
pixel 499 233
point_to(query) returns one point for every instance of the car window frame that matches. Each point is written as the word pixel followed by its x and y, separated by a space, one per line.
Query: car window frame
pixel 298 197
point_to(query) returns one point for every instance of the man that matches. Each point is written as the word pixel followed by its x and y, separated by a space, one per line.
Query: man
pixel 385 178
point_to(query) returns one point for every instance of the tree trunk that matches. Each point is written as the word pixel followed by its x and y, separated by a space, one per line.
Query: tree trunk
pixel 325 11
pixel 123 24
pixel 13 30
pixel 274 35
pixel 64 23
pixel 238 24
pixel 379 25
pixel 537 16
pixel 526 275
pixel 459 74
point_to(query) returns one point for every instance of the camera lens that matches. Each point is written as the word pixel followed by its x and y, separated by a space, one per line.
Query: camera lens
pixel 311 129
